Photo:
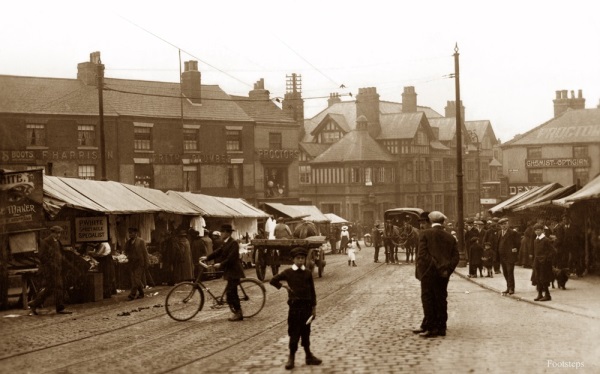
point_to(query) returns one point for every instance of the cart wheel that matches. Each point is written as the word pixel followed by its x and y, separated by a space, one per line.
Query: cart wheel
pixel 310 261
pixel 275 269
pixel 261 266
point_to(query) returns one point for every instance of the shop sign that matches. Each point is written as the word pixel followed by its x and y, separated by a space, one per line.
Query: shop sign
pixel 278 154
pixel 91 229
pixel 210 158
pixel 489 201
pixel 513 190
pixel 567 162
pixel 21 156
pixel 21 199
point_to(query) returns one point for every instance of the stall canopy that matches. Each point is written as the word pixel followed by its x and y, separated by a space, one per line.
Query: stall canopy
pixel 545 200
pixel 223 207
pixel 524 198
pixel 333 218
pixel 591 191
pixel 287 210
pixel 107 197
pixel 314 214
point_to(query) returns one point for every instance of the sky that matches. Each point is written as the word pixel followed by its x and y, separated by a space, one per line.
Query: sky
pixel 514 55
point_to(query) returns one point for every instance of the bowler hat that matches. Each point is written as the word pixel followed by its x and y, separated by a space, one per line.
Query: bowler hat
pixel 298 251
pixel 424 216
pixel 216 233
pixel 56 229
pixel 226 228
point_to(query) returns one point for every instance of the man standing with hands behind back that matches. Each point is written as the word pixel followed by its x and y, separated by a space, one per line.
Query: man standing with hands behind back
pixel 509 242
pixel 437 258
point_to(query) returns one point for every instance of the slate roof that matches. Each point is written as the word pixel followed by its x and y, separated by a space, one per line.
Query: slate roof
pixel 356 146
pixel 265 111
pixel 399 125
pixel 314 149
pixel 572 126
pixel 34 95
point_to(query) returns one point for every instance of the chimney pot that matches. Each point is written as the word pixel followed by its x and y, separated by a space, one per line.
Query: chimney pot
pixel 580 94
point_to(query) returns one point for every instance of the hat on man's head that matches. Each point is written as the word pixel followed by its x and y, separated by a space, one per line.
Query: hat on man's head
pixel 479 223
pixel 495 219
pixel 502 220
pixel 538 226
pixel 298 251
pixel 474 239
pixel 216 233
pixel 437 217
pixel 424 216
pixel 470 221
pixel 56 229
pixel 227 228
pixel 280 219
pixel 487 244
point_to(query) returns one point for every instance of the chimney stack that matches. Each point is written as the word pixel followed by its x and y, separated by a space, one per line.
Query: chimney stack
pixel 450 110
pixel 562 102
pixel 259 92
pixel 87 71
pixel 409 100
pixel 333 98
pixel 191 82
pixel 367 104
pixel 293 104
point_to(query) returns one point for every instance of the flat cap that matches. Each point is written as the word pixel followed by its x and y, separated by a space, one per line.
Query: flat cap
pixel 298 251
pixel 479 223
pixel 437 217
pixel 538 226
pixel 502 220
pixel 56 229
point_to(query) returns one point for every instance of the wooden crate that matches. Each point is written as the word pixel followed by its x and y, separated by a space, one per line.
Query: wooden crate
pixel 93 287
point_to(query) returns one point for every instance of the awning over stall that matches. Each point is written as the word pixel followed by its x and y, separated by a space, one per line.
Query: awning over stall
pixel 546 199
pixel 335 218
pixel 287 210
pixel 314 214
pixel 212 206
pixel 591 191
pixel 524 198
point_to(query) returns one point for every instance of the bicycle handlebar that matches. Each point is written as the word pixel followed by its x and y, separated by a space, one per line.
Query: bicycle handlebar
pixel 204 264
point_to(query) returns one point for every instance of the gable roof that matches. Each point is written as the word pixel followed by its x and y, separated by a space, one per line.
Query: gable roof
pixel 400 125
pixel 47 96
pixel 263 110
pixel 572 126
pixel 339 119
pixel 355 146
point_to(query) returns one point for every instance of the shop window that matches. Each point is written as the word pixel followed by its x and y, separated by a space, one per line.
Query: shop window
pixel 305 174
pixel 190 139
pixel 144 175
pixel 86 135
pixel 534 152
pixel 233 140
pixel 142 138
pixel 233 176
pixel 581 176
pixel 275 140
pixel 36 134
pixel 86 172
pixel 580 152
pixel 275 182
pixel 535 176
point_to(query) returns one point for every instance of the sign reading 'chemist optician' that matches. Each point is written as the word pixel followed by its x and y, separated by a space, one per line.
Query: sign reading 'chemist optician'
pixel 558 163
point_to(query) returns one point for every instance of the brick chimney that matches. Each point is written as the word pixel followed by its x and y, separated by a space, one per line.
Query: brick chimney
pixel 367 104
pixel 259 92
pixel 409 100
pixel 190 82
pixel 450 110
pixel 87 71
pixel 563 102
pixel 333 98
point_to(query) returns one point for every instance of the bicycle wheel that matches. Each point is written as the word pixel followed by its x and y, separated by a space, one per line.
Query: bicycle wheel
pixel 184 301
pixel 252 296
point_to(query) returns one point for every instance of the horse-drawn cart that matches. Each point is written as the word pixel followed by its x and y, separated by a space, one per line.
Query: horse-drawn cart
pixel 276 252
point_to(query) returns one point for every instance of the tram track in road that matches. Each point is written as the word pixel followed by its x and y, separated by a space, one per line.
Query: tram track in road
pixel 150 334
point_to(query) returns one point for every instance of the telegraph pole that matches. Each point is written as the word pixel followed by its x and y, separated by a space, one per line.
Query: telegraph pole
pixel 100 76
pixel 459 168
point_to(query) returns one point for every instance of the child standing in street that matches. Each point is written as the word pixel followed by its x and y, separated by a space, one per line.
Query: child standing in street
pixel 488 259
pixel 352 246
pixel 302 300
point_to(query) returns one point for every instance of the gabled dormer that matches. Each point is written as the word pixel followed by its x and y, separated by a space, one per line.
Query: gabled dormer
pixel 332 128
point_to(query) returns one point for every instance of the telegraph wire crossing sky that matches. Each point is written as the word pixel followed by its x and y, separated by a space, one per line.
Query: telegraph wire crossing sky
pixel 513 55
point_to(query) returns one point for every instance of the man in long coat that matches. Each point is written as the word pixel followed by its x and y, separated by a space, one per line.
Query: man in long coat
pixel 182 267
pixel 51 258
pixel 135 250
pixel 436 260
pixel 544 254
pixel 509 242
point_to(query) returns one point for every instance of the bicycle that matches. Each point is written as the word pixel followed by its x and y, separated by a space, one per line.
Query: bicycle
pixel 186 299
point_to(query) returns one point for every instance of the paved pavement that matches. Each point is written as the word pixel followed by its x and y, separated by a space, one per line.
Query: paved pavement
pixel 581 297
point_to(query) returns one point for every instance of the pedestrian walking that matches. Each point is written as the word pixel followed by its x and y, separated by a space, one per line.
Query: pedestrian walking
pixel 437 258
pixel 475 263
pixel 509 242
pixel 544 255
pixel 135 250
pixel 183 270
pixel 198 248
pixel 302 301
pixel 344 239
pixel 352 247
pixel 51 258
pixel 377 234
pixel 227 258
pixel 488 259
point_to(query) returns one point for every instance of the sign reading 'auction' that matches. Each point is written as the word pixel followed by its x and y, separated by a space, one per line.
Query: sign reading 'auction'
pixel 21 199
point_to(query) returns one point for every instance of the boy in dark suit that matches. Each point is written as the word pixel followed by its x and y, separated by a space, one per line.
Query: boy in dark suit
pixel 302 300
pixel 488 259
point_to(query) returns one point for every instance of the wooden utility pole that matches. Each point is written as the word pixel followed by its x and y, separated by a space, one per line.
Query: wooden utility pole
pixel 100 77
pixel 459 167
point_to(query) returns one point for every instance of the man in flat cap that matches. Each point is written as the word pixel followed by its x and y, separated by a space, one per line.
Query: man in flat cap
pixel 227 259
pixel 51 258
pixel 437 258
pixel 509 242
pixel 137 255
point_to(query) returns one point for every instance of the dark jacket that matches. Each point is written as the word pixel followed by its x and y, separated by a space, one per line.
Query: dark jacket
pixel 506 243
pixel 437 254
pixel 228 255
pixel 542 262
pixel 300 281
pixel 51 258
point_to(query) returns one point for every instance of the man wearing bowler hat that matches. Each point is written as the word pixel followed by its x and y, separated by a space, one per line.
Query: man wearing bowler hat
pixel 227 258
pixel 51 257
pixel 509 242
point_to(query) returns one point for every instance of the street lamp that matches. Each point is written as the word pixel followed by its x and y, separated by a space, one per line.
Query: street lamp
pixel 475 139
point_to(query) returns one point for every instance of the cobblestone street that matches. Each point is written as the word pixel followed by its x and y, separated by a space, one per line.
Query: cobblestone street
pixel 364 319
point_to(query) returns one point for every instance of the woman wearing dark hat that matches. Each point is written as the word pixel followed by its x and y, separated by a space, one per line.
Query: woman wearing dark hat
pixel 543 252
pixel 227 258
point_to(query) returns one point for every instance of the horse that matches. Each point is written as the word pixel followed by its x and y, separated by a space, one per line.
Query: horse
pixel 391 235
pixel 409 240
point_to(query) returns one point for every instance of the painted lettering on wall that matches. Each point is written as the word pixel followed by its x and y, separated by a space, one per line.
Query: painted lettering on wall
pixel 278 154
pixel 558 163
pixel 48 155
pixel 569 132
